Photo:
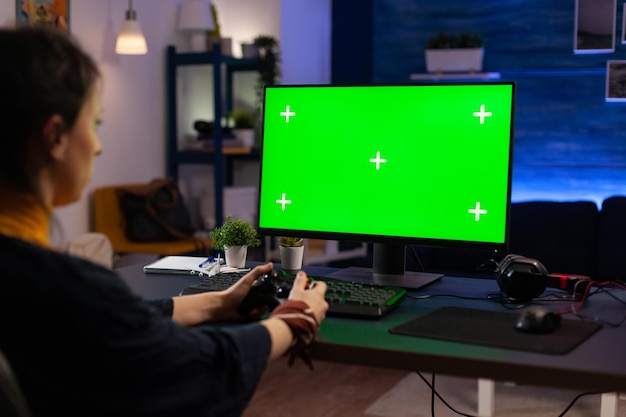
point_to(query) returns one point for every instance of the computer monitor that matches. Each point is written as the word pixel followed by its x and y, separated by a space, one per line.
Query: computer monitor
pixel 426 164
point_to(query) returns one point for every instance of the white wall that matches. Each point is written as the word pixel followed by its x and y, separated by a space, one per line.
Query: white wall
pixel 133 132
pixel 305 41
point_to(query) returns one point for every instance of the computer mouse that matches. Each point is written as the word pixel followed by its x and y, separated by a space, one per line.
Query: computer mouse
pixel 537 319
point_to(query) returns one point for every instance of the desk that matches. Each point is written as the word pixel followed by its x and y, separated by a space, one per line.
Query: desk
pixel 598 364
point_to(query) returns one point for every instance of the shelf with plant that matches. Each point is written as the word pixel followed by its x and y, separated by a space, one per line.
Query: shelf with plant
pixel 460 41
pixel 243 126
pixel 242 119
pixel 268 71
pixel 461 52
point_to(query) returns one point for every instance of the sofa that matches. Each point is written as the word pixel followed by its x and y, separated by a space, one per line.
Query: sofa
pixel 570 237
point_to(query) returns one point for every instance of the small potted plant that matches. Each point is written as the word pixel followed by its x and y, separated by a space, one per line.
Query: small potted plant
pixel 291 252
pixel 214 36
pixel 455 53
pixel 234 237
pixel 243 123
pixel 269 70
pixel 249 51
pixel 269 60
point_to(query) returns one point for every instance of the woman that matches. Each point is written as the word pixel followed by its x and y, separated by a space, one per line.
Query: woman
pixel 80 342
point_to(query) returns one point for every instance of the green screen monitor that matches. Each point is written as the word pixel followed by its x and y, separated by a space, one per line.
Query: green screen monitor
pixel 426 164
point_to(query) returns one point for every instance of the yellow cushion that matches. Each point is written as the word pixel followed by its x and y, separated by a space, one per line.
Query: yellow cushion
pixel 109 220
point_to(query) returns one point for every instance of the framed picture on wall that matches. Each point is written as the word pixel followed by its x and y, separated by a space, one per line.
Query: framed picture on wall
pixel 624 23
pixel 616 81
pixel 594 26
pixel 43 12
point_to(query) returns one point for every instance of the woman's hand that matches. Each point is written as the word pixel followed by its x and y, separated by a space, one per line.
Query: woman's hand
pixel 194 309
pixel 289 332
pixel 314 296
pixel 234 295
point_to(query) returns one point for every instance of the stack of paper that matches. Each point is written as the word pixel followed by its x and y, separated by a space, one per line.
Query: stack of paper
pixel 188 265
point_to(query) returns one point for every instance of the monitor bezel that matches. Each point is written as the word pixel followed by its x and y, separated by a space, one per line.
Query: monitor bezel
pixel 384 239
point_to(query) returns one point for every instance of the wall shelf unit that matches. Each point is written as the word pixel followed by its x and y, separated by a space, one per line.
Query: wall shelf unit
pixel 456 76
pixel 220 157
pixel 223 158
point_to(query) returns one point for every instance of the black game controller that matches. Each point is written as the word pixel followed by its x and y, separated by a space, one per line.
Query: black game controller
pixel 266 293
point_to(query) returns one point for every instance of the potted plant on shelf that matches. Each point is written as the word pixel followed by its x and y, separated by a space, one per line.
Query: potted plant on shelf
pixel 291 252
pixel 243 126
pixel 269 70
pixel 269 59
pixel 234 237
pixel 249 51
pixel 455 53
pixel 215 35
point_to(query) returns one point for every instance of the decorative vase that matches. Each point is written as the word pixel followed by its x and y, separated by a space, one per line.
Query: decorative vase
pixel 249 51
pixel 454 60
pixel 226 45
pixel 212 40
pixel 236 256
pixel 246 136
pixel 291 257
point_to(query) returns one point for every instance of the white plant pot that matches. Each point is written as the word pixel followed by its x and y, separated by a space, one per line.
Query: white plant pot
pixel 236 256
pixel 454 60
pixel 246 136
pixel 291 257
pixel 226 44
pixel 249 51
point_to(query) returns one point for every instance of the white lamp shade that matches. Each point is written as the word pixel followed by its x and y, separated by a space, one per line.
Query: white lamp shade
pixel 131 41
pixel 195 15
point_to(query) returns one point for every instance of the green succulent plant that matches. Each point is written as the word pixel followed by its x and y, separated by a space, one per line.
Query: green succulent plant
pixel 462 40
pixel 216 31
pixel 290 241
pixel 234 232
pixel 242 119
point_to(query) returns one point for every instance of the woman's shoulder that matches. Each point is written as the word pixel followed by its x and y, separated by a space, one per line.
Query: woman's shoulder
pixel 31 266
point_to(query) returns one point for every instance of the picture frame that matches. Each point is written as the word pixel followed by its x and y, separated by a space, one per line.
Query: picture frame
pixel 623 23
pixel 616 81
pixel 594 26
pixel 43 12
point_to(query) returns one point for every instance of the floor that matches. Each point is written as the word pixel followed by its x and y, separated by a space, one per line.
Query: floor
pixel 330 390
pixel 334 390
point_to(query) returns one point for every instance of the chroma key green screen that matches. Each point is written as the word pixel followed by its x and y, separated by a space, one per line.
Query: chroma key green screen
pixel 427 163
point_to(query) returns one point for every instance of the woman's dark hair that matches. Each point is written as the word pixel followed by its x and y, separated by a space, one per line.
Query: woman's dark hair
pixel 43 72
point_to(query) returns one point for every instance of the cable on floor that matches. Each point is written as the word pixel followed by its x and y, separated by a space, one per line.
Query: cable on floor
pixel 434 394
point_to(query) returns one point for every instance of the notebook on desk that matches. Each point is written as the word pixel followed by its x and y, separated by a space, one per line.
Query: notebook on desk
pixel 187 265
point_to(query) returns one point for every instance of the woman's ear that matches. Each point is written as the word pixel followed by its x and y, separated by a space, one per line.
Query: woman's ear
pixel 54 138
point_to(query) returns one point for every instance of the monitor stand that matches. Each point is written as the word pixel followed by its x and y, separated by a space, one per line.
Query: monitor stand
pixel 410 280
pixel 389 269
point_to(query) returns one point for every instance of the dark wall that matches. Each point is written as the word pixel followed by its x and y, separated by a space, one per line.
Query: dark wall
pixel 570 144
pixel 351 54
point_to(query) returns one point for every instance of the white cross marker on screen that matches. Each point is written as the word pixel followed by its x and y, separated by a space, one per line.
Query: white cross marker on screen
pixel 482 114
pixel 378 160
pixel 283 202
pixel 477 211
pixel 288 113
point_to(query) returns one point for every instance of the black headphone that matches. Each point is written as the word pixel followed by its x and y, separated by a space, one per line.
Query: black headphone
pixel 521 278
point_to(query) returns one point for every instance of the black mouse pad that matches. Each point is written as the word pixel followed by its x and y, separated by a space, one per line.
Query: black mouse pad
pixel 496 329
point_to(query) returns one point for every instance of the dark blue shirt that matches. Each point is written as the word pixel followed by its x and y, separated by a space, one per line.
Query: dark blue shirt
pixel 83 344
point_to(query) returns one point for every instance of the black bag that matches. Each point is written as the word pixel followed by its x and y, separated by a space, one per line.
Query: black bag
pixel 155 212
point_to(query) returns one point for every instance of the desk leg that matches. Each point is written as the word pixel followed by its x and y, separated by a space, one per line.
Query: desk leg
pixel 486 397
pixel 608 404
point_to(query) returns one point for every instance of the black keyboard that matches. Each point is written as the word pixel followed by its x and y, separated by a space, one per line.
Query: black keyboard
pixel 345 299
